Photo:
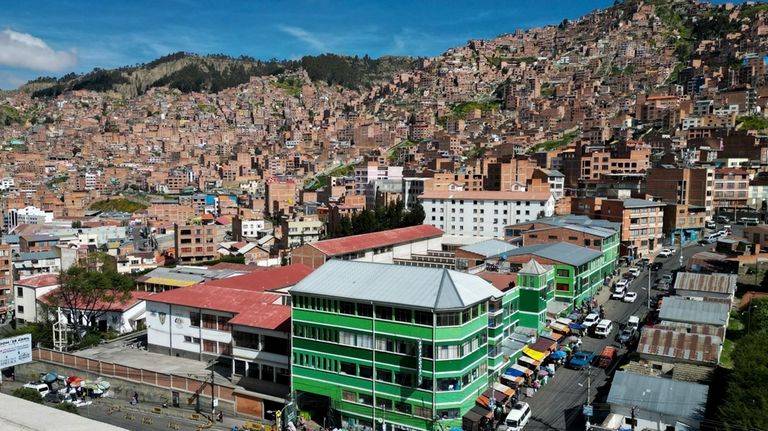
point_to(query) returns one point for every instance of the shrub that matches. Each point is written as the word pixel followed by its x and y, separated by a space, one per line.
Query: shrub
pixel 28 394
pixel 67 407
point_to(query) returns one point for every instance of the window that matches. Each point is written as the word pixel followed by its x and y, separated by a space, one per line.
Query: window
pixel 365 399
pixel 347 368
pixel 209 321
pixel 348 396
pixel 366 371
pixel 383 312
pixel 209 346
pixel 562 273
pixel 383 375
pixel 403 408
pixel 402 315
pixel 448 352
pixel 562 287
pixel 365 310
pixel 346 338
pixel 587 242
pixel 448 319
pixel 19 292
pixel 223 323
pixel 192 340
pixel 423 412
pixel 384 404
pixel 20 308
pixel 194 319
pixel 422 318
pixel 404 379
pixel 346 307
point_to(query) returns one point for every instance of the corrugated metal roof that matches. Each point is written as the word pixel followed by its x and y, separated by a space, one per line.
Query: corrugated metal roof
pixel 680 345
pixel 534 268
pixel 712 283
pixel 349 244
pixel 683 400
pixel 559 251
pixel 489 248
pixel 592 230
pixel 693 328
pixel 413 287
pixel 36 255
pixel 687 310
pixel 641 203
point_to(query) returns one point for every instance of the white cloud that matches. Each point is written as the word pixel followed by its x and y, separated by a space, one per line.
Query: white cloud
pixel 310 39
pixel 24 51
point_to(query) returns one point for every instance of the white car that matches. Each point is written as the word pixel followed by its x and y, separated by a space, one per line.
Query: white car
pixel 665 253
pixel 591 319
pixel 42 388
pixel 630 297
pixel 619 292
pixel 622 284
pixel 635 271
pixel 518 417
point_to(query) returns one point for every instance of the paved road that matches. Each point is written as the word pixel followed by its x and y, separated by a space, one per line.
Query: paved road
pixel 557 406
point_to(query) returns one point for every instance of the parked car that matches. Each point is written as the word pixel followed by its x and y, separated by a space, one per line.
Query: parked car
pixel 517 418
pixel 722 219
pixel 626 336
pixel 619 292
pixel 607 356
pixel 666 252
pixel 655 266
pixel 667 278
pixel 591 320
pixel 634 323
pixel 629 297
pixel 603 328
pixel 723 233
pixel 710 224
pixel 621 284
pixel 581 360
pixel 40 387
pixel 635 271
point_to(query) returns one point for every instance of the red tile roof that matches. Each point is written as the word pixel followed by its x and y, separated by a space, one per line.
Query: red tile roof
pixel 270 316
pixel 39 280
pixel 349 244
pixel 487 195
pixel 499 281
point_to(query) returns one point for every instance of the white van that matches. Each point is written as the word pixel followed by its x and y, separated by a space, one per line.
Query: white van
pixel 518 417
pixel 604 328
pixel 633 322
pixel 711 238
pixel 750 221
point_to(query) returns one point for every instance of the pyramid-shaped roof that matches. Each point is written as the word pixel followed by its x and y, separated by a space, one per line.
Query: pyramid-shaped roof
pixel 534 268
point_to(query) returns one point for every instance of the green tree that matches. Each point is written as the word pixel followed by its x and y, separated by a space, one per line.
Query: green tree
pixel 415 216
pixel 345 227
pixel 77 224
pixel 746 401
pixel 756 317
pixel 89 289
pixel 28 394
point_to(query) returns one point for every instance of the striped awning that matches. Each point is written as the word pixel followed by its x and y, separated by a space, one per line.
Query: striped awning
pixel 506 390
pixel 514 380
pixel 559 327
pixel 528 362
pixel 524 370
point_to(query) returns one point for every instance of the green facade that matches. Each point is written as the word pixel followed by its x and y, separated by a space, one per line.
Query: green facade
pixel 536 291
pixel 333 356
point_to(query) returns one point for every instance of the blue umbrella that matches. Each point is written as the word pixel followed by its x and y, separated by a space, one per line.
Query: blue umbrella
pixel 557 354
pixel 50 377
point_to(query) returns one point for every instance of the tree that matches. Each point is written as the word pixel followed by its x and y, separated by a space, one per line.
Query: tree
pixel 88 291
pixel 77 224
pixel 756 317
pixel 746 401
pixel 68 407
pixel 415 216
pixel 28 394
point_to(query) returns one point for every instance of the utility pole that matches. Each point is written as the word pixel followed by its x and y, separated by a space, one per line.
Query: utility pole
pixel 650 273
pixel 213 394
pixel 633 417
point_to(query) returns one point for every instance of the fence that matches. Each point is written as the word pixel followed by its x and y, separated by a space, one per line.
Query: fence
pixel 136 375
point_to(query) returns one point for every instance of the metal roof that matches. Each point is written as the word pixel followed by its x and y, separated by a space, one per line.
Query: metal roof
pixel 36 255
pixel 596 231
pixel 712 283
pixel 534 268
pixel 684 400
pixel 680 345
pixel 489 248
pixel 412 287
pixel 367 241
pixel 678 309
pixel 559 251
pixel 641 203
pixel 578 220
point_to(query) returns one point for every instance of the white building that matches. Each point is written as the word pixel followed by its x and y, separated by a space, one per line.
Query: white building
pixel 27 291
pixel 366 175
pixel 298 232
pixel 27 215
pixel 121 317
pixel 7 183
pixel 136 262
pixel 483 213
pixel 251 228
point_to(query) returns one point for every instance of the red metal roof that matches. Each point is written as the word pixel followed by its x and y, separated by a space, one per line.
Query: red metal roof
pixel 39 280
pixel 237 267
pixel 267 279
pixel 246 296
pixel 498 280
pixel 349 244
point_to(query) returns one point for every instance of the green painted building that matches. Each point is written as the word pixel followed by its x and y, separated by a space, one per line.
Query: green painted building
pixel 396 347
pixel 536 283
pixel 578 271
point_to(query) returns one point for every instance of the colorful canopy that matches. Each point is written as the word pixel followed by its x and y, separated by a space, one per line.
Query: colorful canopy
pixel 535 354
pixel 528 362
pixel 558 354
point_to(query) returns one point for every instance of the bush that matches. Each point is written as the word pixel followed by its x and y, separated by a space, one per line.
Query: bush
pixel 67 407
pixel 28 394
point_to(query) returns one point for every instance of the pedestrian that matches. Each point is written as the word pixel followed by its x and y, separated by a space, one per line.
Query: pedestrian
pixel 136 396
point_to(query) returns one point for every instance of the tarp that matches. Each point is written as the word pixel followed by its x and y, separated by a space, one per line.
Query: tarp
pixel 503 388
pixel 514 372
pixel 564 321
pixel 544 344
pixel 528 362
pixel 522 369
pixel 577 326
pixel 513 380
pixel 555 326
pixel 535 354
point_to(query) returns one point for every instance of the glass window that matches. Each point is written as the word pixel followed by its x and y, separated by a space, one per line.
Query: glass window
pixel 346 307
pixel 347 368
pixel 402 315
pixel 383 312
pixel 404 379
pixel 366 371
pixel 403 408
pixel 422 318
pixel 383 375
pixel 365 310
pixel 194 319
pixel 448 319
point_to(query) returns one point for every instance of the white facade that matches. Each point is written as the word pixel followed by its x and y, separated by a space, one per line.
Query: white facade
pixel 480 214
pixel 121 322
pixel 170 330
pixel 25 301
pixel 556 186
pixel 758 193
pixel 300 232
pixel 135 263
pixel 7 183
pixel 251 228
pixel 27 215
pixel 370 173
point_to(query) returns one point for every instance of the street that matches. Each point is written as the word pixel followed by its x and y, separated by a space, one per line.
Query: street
pixel 558 405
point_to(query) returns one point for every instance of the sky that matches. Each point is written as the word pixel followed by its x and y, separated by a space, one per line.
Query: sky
pixel 59 36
